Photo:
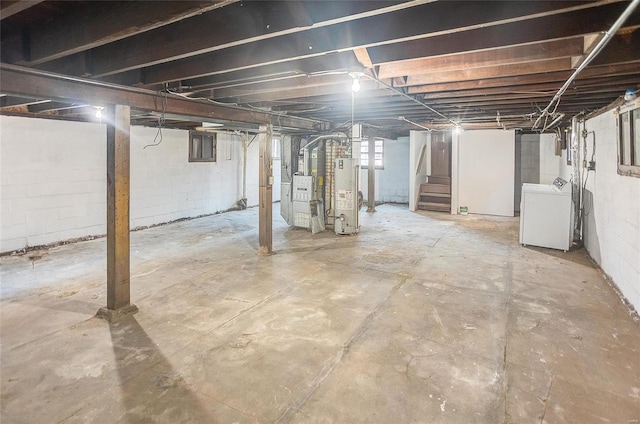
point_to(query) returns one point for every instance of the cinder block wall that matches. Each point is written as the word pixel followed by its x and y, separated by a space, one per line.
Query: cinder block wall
pixel 612 211
pixel 53 179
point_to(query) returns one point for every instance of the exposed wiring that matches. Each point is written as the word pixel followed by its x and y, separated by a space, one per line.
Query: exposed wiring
pixel 161 120
pixel 585 134
pixel 247 108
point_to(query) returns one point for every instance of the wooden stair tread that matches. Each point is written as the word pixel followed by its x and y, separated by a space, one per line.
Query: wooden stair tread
pixel 442 207
pixel 434 185
pixel 432 194
pixel 439 179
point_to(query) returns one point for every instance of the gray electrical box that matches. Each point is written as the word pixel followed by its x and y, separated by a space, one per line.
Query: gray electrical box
pixel 347 209
pixel 302 195
pixel 308 212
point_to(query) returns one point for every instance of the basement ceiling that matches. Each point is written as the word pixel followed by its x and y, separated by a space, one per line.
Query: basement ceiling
pixel 430 64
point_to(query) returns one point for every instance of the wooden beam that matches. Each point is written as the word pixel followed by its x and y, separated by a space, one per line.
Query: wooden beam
pixel 233 25
pixel 303 92
pixel 308 66
pixel 26 82
pixel 265 222
pixel 90 24
pixel 589 72
pixel 10 101
pixel 363 57
pixel 540 67
pixel 118 269
pixel 10 8
pixel 407 24
pixel 622 48
pixel 291 84
pixel 589 85
pixel 564 25
pixel 503 56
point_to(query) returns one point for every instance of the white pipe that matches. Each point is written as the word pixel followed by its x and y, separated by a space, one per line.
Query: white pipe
pixel 245 145
pixel 603 42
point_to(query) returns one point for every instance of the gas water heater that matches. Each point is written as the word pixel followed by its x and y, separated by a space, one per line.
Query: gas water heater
pixel 347 207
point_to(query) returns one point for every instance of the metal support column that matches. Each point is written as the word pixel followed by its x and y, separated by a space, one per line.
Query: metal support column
pixel 118 276
pixel 371 174
pixel 266 194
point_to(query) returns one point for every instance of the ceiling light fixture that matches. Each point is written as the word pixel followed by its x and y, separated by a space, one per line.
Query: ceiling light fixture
pixel 98 112
pixel 355 86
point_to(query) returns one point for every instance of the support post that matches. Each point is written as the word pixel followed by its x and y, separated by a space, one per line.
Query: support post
pixel 266 183
pixel 371 174
pixel 118 272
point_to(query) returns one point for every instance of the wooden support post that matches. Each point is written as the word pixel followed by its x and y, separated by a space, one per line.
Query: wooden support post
pixel 118 290
pixel 371 174
pixel 266 182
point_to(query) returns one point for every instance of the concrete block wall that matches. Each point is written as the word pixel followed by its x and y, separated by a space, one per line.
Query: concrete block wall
pixel 612 213
pixel 165 186
pixel 392 184
pixel 53 179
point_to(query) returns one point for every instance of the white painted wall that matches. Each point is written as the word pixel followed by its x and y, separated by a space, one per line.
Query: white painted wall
pixel 612 221
pixel 485 171
pixel 417 139
pixel 165 186
pixel 53 179
pixel 391 182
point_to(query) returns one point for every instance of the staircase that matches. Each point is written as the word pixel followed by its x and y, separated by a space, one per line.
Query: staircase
pixel 435 195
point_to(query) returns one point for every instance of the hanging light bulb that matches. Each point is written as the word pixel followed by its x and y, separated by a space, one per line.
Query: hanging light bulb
pixel 355 87
pixel 98 112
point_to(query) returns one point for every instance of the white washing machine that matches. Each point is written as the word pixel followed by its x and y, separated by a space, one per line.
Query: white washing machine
pixel 546 215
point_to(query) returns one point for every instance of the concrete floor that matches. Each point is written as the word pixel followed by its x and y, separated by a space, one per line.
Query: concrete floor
pixel 422 317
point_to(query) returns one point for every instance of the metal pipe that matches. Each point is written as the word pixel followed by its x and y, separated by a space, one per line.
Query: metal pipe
pixel 403 94
pixel 402 118
pixel 601 44
pixel 245 145
pixel 313 143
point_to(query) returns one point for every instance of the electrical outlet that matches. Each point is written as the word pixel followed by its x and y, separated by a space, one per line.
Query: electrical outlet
pixel 592 165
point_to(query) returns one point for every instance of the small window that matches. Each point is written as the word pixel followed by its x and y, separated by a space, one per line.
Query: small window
pixel 275 148
pixel 202 147
pixel 364 153
pixel 629 142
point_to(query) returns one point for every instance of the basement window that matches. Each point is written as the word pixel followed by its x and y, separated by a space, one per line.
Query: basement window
pixel 629 142
pixel 275 148
pixel 364 153
pixel 202 147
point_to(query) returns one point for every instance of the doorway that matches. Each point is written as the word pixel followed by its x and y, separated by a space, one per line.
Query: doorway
pixel 435 193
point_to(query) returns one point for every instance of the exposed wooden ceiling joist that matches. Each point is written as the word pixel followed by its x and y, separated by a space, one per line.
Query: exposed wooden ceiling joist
pixel 622 69
pixel 10 8
pixel 502 56
pixel 407 24
pixel 234 25
pixel 559 26
pixel 467 59
pixel 17 80
pixel 95 23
